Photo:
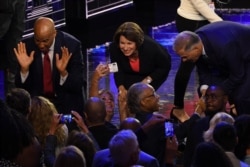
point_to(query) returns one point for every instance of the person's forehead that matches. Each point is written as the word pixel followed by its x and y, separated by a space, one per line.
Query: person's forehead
pixel 214 90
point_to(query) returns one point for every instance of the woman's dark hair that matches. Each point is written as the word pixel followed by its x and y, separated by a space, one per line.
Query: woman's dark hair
pixel 209 154
pixel 84 143
pixel 131 31
pixel 16 132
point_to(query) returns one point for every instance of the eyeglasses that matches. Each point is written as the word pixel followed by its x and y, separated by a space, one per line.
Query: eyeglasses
pixel 212 97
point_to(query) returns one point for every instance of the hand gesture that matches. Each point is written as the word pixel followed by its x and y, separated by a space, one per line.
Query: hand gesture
pixel 79 121
pixel 55 123
pixel 155 121
pixel 62 63
pixel 22 57
pixel 101 70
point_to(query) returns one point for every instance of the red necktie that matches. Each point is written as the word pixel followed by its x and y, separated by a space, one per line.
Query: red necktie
pixel 47 76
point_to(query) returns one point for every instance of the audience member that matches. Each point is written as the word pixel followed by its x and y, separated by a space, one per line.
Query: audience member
pixel 143 101
pixel 209 154
pixel 130 123
pixel 95 112
pixel 12 17
pixel 70 156
pixel 220 52
pixel 84 143
pixel 20 100
pixel 217 118
pixel 190 16
pixel 242 149
pixel 215 100
pixel 103 157
pixel 124 148
pixel 106 95
pixel 41 117
pixel 139 58
pixel 225 135
pixel 18 143
pixel 51 65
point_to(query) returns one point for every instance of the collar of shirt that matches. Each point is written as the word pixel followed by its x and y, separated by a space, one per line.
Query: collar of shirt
pixel 51 52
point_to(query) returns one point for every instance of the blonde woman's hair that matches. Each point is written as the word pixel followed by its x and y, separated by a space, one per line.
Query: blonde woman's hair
pixel 41 116
pixel 219 117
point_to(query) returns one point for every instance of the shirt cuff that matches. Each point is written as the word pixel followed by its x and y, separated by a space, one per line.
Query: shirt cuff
pixel 63 79
pixel 24 76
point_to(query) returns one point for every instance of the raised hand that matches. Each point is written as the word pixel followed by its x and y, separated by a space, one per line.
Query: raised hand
pixel 61 63
pixel 22 57
pixel 79 121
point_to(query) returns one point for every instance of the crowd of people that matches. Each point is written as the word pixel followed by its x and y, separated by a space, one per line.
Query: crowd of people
pixel 46 119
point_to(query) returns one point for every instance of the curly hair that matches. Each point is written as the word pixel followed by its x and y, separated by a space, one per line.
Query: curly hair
pixel 40 117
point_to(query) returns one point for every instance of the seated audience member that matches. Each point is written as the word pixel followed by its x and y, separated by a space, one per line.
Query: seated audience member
pixel 84 143
pixel 95 112
pixel 51 65
pixel 20 100
pixel 209 154
pixel 242 149
pixel 225 135
pixel 103 158
pixel 94 91
pixel 142 100
pixel 130 123
pixel 19 146
pixel 44 118
pixel 215 101
pixel 217 118
pixel 70 156
pixel 124 148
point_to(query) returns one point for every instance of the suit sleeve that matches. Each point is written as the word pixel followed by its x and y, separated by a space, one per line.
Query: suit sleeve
pixel 115 55
pixel 163 64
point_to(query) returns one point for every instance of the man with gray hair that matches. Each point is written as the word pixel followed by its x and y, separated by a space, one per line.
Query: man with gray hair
pixel 124 148
pixel 221 53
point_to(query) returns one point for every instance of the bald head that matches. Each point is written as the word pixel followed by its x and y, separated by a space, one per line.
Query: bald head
pixel 95 110
pixel 130 123
pixel 44 33
pixel 44 25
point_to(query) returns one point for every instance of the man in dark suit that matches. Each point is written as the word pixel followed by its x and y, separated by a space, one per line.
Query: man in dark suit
pixel 222 55
pixel 125 142
pixel 65 61
pixel 12 16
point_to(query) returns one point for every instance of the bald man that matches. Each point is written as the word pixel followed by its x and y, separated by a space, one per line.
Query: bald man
pixel 66 63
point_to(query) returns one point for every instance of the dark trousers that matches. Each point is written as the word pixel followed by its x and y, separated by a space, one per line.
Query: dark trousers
pixel 185 69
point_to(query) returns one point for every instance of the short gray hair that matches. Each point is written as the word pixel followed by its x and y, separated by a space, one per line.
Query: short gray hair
pixel 122 146
pixel 186 40
pixel 134 96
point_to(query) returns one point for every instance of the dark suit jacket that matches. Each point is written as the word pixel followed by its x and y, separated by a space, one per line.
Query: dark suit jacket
pixel 103 158
pixel 68 96
pixel 154 142
pixel 155 62
pixel 226 46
